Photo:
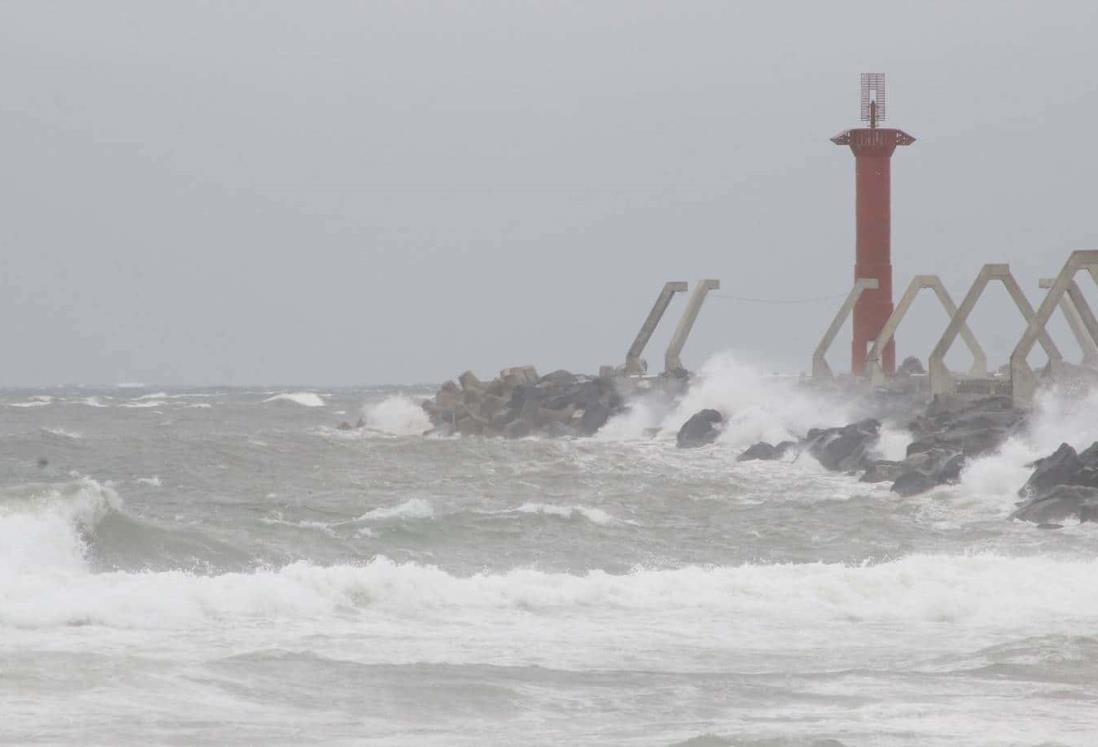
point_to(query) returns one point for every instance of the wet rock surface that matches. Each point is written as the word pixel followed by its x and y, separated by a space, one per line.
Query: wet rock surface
pixel 844 449
pixel 763 451
pixel 1064 485
pixel 702 428
pixel 520 403
pixel 951 431
pixel 1061 503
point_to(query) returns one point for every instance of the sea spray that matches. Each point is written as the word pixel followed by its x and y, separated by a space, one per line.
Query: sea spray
pixel 396 415
pixel 759 602
pixel 305 399
pixel 44 526
pixel 757 406
pixel 1056 418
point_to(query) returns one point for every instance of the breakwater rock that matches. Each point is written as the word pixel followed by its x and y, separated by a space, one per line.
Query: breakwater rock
pixel 946 434
pixel 950 432
pixel 1064 485
pixel 521 403
pixel 702 428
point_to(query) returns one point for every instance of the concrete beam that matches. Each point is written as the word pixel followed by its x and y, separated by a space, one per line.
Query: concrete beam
pixel 1079 317
pixel 919 282
pixel 633 363
pixel 820 369
pixel 941 378
pixel 671 360
pixel 1023 382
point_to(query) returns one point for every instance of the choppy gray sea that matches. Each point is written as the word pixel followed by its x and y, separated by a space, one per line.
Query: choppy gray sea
pixel 225 566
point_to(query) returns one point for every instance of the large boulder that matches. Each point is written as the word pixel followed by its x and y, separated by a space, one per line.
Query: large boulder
pixel 1058 468
pixel 1063 467
pixel 594 417
pixel 470 382
pixel 519 376
pixel 1060 503
pixel 765 452
pixel 925 470
pixel 913 483
pixel 559 378
pixel 911 366
pixel 844 449
pixel 702 428
pixel 971 427
pixel 883 470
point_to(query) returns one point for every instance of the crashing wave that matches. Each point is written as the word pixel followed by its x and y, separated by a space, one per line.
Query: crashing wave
pixel 305 399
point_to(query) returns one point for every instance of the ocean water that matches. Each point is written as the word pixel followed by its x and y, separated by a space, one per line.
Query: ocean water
pixel 224 566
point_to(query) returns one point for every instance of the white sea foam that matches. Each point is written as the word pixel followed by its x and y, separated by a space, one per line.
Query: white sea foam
pixel 414 508
pixel 305 399
pixel 144 403
pixel 63 433
pixel 892 443
pixel 593 515
pixel 642 416
pixel 321 526
pixel 754 602
pixel 757 406
pixel 40 400
pixel 153 481
pixel 396 415
pixel 1055 418
pixel 41 525
pixel 94 402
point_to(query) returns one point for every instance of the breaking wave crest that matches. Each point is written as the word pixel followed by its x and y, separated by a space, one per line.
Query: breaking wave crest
pixel 982 590
pixel 593 515
pixel 305 399
pixel 1056 418
pixel 758 406
pixel 45 526
pixel 414 508
pixel 396 415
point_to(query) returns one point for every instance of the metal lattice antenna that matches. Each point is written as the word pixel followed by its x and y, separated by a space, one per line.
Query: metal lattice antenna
pixel 873 98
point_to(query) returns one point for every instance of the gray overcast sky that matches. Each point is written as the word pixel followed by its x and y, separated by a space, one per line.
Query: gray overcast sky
pixel 385 192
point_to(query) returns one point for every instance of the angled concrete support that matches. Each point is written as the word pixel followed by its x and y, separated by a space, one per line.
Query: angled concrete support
pixel 918 283
pixel 941 379
pixel 633 363
pixel 820 369
pixel 1023 382
pixel 1077 311
pixel 671 361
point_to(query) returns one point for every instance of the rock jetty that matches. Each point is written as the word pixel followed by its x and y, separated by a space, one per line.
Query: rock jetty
pixel 949 432
pixel 1064 485
pixel 521 403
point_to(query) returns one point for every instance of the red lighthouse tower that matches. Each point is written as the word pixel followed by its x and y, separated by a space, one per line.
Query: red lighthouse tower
pixel 873 148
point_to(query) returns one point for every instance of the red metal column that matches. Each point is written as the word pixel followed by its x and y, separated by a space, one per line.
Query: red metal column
pixel 873 245
pixel 873 150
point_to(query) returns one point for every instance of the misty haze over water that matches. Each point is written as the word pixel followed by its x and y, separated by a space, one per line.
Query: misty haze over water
pixel 241 244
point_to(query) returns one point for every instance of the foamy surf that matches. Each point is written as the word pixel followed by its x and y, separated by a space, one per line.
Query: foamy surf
pixel 987 593
pixel 416 508
pixel 593 515
pixel 305 399
pixel 396 415
pixel 42 526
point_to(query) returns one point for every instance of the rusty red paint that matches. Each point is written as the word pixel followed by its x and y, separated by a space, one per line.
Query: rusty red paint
pixel 873 148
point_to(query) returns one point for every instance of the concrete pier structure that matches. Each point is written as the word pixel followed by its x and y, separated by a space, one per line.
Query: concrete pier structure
pixel 1023 381
pixel 671 361
pixel 941 378
pixel 1076 311
pixel 820 368
pixel 634 365
pixel 875 371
